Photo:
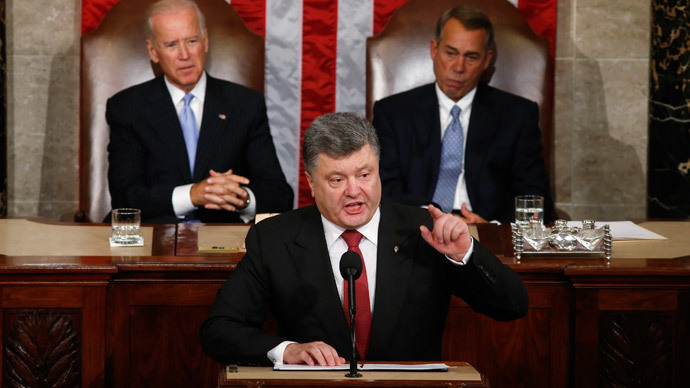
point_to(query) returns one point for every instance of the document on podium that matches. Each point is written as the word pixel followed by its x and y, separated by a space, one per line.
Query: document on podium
pixel 365 367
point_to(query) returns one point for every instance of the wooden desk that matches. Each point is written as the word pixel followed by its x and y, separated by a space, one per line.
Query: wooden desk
pixel 590 323
pixel 461 374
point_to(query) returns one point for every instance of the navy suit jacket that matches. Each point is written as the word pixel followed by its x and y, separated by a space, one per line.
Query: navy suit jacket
pixel 287 272
pixel 503 154
pixel 148 157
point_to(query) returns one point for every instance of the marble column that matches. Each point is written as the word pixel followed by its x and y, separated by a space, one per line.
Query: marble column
pixel 3 113
pixel 668 191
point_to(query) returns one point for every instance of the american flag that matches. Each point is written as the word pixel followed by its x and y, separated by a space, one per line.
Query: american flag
pixel 315 60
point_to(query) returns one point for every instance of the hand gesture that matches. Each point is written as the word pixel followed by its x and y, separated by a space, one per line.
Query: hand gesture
pixel 221 191
pixel 449 236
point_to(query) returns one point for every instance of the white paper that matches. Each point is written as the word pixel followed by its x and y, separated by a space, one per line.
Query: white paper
pixel 365 367
pixel 624 230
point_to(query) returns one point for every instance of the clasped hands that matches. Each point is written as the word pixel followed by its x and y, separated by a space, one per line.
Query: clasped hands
pixel 450 236
pixel 221 191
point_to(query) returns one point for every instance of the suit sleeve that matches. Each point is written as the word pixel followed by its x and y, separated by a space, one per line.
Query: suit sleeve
pixel 232 332
pixel 489 286
pixel 267 181
pixel 127 169
pixel 529 170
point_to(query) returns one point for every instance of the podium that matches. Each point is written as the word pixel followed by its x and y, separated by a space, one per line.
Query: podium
pixel 460 374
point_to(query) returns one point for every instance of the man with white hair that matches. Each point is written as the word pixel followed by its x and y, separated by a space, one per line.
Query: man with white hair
pixel 185 145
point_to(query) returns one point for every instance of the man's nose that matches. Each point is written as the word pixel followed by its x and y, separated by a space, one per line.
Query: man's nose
pixel 459 65
pixel 184 51
pixel 352 189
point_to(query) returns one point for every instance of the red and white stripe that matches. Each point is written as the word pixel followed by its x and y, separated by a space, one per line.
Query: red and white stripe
pixel 315 60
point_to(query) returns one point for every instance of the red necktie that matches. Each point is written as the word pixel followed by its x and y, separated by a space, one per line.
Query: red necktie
pixel 363 316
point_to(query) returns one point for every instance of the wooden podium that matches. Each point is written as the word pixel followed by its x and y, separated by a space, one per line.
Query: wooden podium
pixel 460 374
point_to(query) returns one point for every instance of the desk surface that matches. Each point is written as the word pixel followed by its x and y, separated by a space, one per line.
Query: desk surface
pixel 460 374
pixel 45 245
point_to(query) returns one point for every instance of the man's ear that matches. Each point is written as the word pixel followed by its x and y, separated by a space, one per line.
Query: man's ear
pixel 311 183
pixel 432 49
pixel 152 50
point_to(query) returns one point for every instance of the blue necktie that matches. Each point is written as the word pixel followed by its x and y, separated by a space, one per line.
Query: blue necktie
pixel 189 131
pixel 451 163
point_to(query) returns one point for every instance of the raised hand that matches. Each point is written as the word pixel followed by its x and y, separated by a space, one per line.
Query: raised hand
pixel 449 236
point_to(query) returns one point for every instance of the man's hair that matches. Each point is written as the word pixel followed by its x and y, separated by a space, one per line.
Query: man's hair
pixel 337 135
pixel 169 6
pixel 472 19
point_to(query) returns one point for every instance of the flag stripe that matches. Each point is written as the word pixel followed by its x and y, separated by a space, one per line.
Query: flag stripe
pixel 253 13
pixel 383 9
pixel 283 82
pixel 354 26
pixel 319 42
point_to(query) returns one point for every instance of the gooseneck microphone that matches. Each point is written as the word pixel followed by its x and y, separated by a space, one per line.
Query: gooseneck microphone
pixel 350 269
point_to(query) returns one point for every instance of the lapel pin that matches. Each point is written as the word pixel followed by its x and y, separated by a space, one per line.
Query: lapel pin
pixel 395 249
pixel 222 116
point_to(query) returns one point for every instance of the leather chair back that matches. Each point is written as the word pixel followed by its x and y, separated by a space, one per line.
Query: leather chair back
pixel 398 58
pixel 114 57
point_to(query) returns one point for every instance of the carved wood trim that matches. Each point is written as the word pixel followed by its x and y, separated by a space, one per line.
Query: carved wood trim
pixel 42 348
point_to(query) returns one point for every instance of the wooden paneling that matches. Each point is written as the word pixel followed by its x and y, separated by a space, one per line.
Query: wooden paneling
pixel 134 321
pixel 153 334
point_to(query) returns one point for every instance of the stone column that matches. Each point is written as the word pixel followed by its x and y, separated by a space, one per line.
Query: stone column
pixel 3 113
pixel 668 191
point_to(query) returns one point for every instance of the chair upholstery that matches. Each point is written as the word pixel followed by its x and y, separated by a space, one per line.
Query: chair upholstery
pixel 114 57
pixel 398 58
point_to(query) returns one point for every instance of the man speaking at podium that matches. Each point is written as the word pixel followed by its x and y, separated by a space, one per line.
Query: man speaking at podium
pixel 414 259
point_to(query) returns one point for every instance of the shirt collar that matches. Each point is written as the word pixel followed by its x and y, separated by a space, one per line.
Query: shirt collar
pixel 199 90
pixel 370 230
pixel 445 104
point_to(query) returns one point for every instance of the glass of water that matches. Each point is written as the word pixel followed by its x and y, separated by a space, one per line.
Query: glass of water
pixel 126 225
pixel 528 207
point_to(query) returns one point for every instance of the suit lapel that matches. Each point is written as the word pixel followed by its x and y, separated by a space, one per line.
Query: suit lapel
pixel 160 110
pixel 481 132
pixel 215 117
pixel 428 127
pixel 394 266
pixel 310 256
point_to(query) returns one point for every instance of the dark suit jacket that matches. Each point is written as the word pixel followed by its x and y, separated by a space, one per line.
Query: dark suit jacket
pixel 287 272
pixel 148 159
pixel 503 155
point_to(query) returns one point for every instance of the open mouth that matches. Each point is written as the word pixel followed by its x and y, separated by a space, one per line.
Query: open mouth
pixel 354 208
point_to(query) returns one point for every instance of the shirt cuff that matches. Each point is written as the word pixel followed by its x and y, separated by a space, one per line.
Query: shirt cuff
pixel 182 200
pixel 467 255
pixel 276 354
pixel 248 213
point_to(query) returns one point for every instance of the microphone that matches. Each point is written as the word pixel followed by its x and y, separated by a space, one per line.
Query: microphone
pixel 350 264
pixel 350 270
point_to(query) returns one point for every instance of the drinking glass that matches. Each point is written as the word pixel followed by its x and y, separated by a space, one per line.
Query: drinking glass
pixel 528 207
pixel 126 224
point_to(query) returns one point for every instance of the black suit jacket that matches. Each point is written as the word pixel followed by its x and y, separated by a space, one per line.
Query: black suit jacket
pixel 287 272
pixel 503 154
pixel 148 158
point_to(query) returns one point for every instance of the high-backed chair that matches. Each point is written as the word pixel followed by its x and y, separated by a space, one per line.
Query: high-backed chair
pixel 114 57
pixel 398 58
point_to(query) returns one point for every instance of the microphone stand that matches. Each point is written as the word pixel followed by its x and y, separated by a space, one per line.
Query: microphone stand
pixel 351 293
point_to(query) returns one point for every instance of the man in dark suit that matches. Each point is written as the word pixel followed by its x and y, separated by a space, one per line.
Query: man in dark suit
pixel 414 259
pixel 186 145
pixel 496 153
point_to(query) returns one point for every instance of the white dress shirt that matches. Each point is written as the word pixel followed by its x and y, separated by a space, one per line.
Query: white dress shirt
pixel 181 197
pixel 445 104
